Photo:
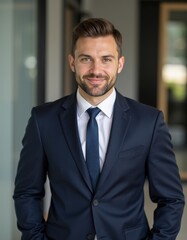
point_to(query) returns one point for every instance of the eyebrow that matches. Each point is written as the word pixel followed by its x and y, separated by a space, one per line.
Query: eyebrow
pixel 111 56
pixel 84 55
pixel 104 56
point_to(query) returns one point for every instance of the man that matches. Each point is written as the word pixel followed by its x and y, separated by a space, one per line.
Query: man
pixel 134 144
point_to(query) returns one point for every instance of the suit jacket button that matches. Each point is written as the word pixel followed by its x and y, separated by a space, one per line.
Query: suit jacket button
pixel 90 237
pixel 95 202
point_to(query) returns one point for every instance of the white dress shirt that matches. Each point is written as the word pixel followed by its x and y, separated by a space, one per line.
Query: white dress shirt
pixel 104 121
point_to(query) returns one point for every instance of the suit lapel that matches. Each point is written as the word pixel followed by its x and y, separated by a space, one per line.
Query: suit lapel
pixel 68 118
pixel 121 121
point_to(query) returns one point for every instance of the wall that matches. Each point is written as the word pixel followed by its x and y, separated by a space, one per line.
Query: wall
pixel 54 44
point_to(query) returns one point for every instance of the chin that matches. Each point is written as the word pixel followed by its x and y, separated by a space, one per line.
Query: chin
pixel 97 92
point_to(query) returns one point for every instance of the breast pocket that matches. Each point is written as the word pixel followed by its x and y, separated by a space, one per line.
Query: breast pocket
pixel 132 152
pixel 131 164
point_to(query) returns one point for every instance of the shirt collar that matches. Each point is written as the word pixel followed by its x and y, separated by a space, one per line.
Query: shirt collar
pixel 106 106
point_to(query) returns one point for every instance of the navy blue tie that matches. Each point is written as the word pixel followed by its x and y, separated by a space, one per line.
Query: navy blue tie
pixel 92 146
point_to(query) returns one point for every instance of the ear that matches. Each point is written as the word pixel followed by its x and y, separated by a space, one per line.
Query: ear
pixel 71 62
pixel 121 64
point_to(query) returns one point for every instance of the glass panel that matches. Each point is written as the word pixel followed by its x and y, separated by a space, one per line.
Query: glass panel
pixel 18 88
pixel 25 62
pixel 174 75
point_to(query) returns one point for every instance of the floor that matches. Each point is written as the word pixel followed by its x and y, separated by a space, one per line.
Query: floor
pixel 149 206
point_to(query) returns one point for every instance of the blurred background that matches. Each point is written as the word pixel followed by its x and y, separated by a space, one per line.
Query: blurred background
pixel 35 39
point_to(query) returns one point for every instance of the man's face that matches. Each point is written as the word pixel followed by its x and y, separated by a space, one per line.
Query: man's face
pixel 96 65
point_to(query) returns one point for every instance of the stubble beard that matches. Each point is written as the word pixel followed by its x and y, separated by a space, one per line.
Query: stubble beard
pixel 96 90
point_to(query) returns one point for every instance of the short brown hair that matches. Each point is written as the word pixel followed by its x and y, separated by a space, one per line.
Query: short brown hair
pixel 96 27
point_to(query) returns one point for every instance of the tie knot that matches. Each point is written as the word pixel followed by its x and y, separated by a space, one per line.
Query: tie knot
pixel 93 112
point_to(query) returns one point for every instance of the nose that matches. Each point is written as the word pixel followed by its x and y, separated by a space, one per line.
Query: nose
pixel 95 67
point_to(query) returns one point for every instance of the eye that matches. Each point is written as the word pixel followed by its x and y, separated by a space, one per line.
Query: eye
pixel 107 59
pixel 85 59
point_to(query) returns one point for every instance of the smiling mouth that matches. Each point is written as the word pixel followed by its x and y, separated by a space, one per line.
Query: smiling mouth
pixel 95 79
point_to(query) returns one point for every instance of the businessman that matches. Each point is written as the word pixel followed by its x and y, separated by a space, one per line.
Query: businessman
pixel 97 147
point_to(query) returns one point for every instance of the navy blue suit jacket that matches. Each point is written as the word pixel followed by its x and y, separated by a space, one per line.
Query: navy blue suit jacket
pixel 139 148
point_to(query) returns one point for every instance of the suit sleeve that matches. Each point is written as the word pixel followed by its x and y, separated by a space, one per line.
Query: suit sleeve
pixel 29 184
pixel 164 184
